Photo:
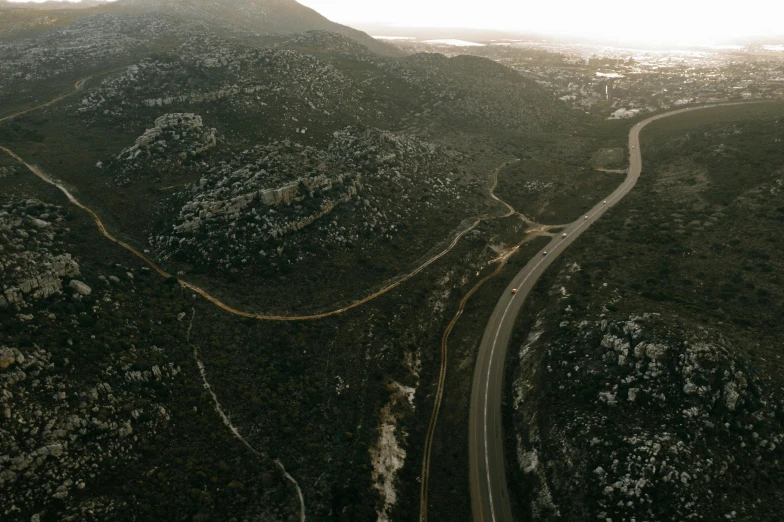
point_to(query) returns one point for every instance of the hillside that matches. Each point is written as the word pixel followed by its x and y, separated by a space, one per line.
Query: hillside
pixel 257 16
pixel 260 16
pixel 647 376
pixel 16 19
pixel 452 128
pixel 331 197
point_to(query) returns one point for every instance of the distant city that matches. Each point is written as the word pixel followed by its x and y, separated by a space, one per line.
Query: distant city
pixel 621 82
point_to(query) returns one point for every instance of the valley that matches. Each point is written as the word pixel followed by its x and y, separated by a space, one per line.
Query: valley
pixel 248 254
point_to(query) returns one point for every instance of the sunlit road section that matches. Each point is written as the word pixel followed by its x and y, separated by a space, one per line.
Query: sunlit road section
pixel 489 494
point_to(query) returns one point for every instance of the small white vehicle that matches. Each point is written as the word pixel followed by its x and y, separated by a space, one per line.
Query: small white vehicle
pixel 514 291
pixel 564 234
pixel 586 217
pixel 605 201
pixel 544 253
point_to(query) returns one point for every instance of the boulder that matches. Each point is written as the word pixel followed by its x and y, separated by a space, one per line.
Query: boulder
pixel 40 223
pixel 7 357
pixel 80 287
pixel 731 396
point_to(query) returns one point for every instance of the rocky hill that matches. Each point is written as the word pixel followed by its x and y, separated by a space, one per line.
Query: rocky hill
pixel 162 149
pixel 273 92
pixel 647 384
pixel 264 16
pixel 240 99
pixel 80 42
pixel 283 172
pixel 276 205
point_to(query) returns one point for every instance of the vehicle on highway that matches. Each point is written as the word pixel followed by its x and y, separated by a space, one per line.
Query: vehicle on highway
pixel 605 202
pixel 544 253
pixel 586 217
pixel 514 290
pixel 564 234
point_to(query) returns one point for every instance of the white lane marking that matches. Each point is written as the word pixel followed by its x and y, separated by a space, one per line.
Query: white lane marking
pixel 636 155
pixel 618 192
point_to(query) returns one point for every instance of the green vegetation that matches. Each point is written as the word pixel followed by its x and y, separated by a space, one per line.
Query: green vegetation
pixel 408 146
pixel 119 358
pixel 661 329
pixel 427 95
pixel 554 193
pixel 294 390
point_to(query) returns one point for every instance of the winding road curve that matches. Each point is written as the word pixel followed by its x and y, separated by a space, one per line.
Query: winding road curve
pixel 424 477
pixel 101 227
pixel 489 493
pixel 214 300
pixel 77 87
pixel 217 302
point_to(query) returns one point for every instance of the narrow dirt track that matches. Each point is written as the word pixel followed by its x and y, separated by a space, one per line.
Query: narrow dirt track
pixel 217 302
pixel 77 87
pixel 425 475
pixel 537 230
pixel 196 289
pixel 214 300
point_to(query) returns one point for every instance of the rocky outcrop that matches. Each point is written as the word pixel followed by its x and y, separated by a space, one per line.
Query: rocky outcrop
pixel 173 127
pixel 57 458
pixel 647 408
pixel 80 287
pixel 173 139
pixel 258 208
pixel 30 266
pixel 197 212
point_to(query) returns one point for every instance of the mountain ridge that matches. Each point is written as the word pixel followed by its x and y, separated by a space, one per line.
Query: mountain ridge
pixel 276 17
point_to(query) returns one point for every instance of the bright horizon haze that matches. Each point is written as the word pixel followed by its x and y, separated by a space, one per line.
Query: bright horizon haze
pixel 700 22
pixel 679 22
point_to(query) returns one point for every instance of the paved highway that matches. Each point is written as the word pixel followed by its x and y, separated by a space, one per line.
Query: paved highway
pixel 489 493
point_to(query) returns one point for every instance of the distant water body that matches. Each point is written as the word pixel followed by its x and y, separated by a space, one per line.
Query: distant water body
pixel 455 43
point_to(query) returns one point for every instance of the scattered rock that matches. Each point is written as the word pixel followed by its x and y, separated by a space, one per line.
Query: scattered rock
pixel 80 287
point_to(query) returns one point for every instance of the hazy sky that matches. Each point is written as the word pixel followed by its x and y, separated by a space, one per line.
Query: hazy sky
pixel 659 21
pixel 671 21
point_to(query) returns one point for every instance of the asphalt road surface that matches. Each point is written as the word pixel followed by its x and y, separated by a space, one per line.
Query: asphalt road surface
pixel 489 493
